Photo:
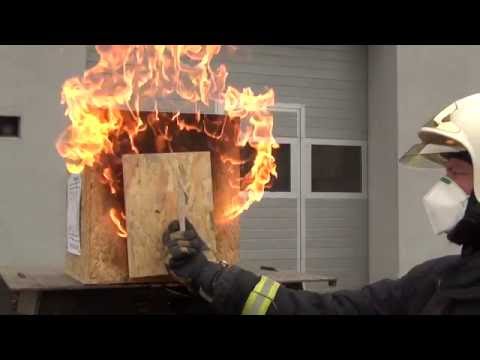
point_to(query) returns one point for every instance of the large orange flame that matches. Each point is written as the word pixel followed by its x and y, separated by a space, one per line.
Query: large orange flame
pixel 128 78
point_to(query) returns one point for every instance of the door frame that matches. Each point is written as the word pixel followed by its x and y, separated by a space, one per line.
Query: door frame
pixel 296 171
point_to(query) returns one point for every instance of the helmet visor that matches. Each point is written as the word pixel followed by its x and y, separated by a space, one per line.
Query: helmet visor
pixel 428 155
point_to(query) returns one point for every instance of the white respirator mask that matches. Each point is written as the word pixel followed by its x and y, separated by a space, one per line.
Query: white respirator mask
pixel 445 205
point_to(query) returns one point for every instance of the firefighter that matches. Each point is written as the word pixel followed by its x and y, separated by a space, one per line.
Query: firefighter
pixel 446 285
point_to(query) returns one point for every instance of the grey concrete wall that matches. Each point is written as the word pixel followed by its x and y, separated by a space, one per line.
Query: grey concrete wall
pixel 33 176
pixel 382 162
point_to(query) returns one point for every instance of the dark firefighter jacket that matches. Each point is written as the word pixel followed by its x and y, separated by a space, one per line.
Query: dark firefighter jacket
pixel 447 285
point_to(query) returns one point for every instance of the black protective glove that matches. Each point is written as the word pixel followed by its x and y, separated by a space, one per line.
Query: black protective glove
pixel 186 261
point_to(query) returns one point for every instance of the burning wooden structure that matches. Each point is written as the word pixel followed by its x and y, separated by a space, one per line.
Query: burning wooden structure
pixel 104 243
pixel 109 122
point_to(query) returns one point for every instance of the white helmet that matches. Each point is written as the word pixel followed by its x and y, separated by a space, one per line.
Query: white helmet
pixel 454 129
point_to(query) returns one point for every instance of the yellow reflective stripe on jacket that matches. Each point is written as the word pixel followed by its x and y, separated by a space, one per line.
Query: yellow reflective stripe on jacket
pixel 261 297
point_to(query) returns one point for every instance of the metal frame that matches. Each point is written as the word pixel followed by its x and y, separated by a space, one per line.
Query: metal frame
pixel 301 173
pixel 297 163
pixel 294 155
pixel 295 172
pixel 306 192
pixel 302 211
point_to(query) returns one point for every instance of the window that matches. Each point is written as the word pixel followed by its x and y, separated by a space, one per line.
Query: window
pixel 335 168
pixel 282 157
pixel 9 126
pixel 286 159
pixel 287 156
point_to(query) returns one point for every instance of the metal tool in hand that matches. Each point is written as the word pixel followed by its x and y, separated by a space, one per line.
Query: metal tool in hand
pixel 182 201
pixel 182 198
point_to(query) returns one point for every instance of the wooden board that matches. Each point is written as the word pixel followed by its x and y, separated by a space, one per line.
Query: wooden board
pixel 225 177
pixel 50 279
pixel 152 184
pixel 227 232
pixel 103 256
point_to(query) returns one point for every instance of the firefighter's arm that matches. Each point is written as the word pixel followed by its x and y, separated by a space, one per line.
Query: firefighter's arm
pixel 232 290
pixel 238 291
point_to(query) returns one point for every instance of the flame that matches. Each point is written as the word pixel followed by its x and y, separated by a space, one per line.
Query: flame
pixel 107 174
pixel 104 107
pixel 258 134
pixel 115 216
